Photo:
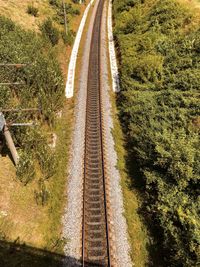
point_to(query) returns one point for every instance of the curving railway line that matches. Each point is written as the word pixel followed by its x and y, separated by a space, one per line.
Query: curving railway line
pixel 95 234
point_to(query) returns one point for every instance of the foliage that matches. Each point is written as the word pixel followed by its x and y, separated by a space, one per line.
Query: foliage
pixel 26 170
pixel 159 105
pixel 68 38
pixel 50 31
pixel 42 88
pixel 69 9
pixel 55 3
pixel 32 10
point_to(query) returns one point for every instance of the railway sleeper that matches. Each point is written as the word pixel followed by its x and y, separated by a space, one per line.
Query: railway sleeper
pixel 93 131
pixel 93 198
pixel 93 169
pixel 96 251
pixel 99 224
pixel 94 161
pixel 94 148
pixel 95 213
pixel 95 165
pixel 94 190
pixel 93 182
pixel 95 236
pixel 90 172
pixel 96 259
pixel 92 153
pixel 93 138
pixel 94 205
pixel 93 195
pixel 94 220
pixel 91 238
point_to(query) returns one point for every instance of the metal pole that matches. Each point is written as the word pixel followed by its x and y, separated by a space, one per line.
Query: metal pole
pixel 10 144
pixel 23 124
pixel 12 83
pixel 18 110
pixel 65 17
pixel 14 65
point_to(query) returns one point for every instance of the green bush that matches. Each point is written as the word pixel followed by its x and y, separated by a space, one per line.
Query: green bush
pixel 67 38
pixel 49 31
pixel 55 3
pixel 25 168
pixel 43 87
pixel 32 10
pixel 159 66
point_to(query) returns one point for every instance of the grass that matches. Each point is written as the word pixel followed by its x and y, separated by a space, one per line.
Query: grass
pixel 138 235
pixel 36 225
pixel 17 11
pixel 193 7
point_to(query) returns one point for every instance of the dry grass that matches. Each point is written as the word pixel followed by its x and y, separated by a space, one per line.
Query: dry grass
pixel 17 11
pixel 193 7
pixel 194 3
pixel 20 216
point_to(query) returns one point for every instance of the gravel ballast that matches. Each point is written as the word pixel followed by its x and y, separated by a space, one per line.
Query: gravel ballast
pixel 72 219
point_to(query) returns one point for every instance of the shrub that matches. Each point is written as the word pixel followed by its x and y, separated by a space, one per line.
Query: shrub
pixel 25 168
pixel 159 65
pixel 67 38
pixel 32 10
pixel 43 86
pixel 49 31
pixel 72 11
pixel 55 3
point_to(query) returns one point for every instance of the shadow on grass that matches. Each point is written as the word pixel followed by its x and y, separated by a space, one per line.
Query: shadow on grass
pixel 13 254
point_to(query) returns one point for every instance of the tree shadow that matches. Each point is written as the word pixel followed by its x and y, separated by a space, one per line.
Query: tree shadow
pixel 15 254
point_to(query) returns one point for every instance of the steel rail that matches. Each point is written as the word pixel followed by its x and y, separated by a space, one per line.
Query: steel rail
pixel 95 235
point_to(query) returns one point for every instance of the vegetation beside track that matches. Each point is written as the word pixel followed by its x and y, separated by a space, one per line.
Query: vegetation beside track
pixel 32 202
pixel 158 51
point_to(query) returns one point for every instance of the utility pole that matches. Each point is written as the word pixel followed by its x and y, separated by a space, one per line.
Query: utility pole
pixel 9 140
pixel 5 130
pixel 65 17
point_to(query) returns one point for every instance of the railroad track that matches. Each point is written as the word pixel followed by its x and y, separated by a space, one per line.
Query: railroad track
pixel 95 236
